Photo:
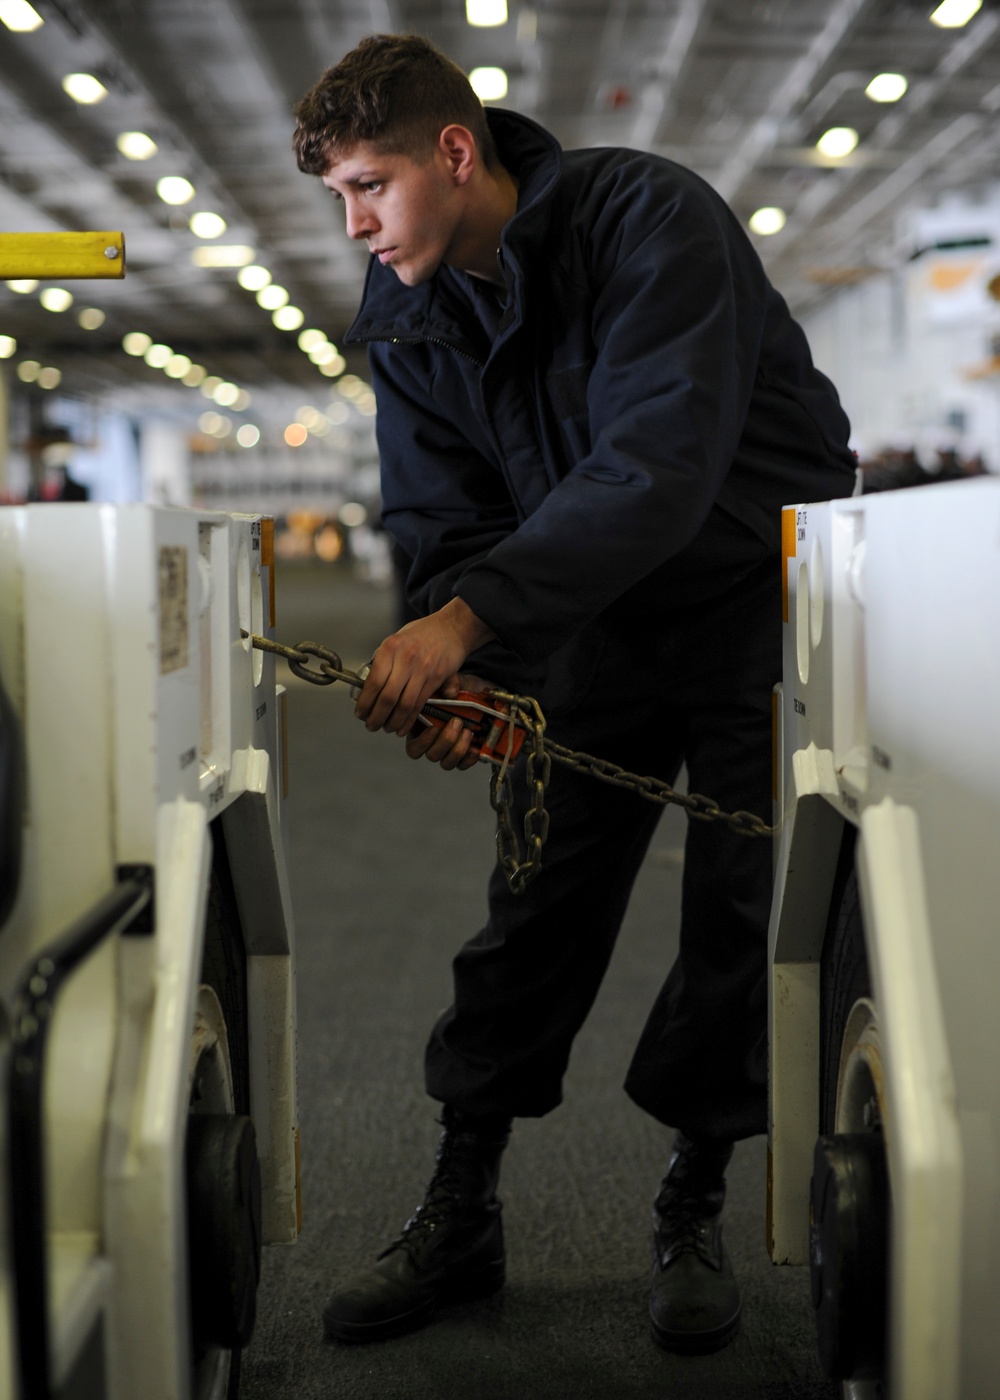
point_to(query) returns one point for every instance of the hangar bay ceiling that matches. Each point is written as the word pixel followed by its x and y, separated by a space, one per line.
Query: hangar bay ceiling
pixel 741 90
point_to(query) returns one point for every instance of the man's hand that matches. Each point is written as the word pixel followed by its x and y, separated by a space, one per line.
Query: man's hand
pixel 451 745
pixel 415 663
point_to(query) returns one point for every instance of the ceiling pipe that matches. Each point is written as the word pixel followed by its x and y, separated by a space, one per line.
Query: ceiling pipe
pixel 763 135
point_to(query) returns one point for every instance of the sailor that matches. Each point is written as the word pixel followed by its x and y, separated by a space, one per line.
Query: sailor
pixel 592 405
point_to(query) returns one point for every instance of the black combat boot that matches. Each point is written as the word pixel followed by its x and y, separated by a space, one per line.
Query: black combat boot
pixel 450 1250
pixel 695 1304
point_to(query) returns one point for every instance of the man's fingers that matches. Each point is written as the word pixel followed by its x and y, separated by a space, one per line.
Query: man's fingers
pixel 449 746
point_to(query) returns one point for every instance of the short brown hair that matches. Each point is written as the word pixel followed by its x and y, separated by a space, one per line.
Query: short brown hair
pixel 396 92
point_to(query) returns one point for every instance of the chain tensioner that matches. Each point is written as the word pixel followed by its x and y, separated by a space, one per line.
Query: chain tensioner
pixel 505 722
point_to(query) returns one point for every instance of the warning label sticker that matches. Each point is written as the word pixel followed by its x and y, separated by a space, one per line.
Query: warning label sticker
pixel 173 608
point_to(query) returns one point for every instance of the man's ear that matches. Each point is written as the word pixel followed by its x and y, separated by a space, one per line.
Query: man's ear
pixel 458 146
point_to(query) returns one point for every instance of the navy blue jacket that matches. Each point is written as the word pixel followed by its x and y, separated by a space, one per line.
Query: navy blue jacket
pixel 628 437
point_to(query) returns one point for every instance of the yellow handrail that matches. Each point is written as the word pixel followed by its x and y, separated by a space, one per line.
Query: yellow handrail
pixel 47 256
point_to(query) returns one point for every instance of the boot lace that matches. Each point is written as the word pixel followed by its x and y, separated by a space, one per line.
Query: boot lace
pixel 444 1200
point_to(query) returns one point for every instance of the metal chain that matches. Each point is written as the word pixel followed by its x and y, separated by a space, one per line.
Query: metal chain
pixel 521 868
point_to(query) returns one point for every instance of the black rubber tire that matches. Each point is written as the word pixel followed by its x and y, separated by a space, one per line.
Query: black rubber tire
pixel 844 975
pixel 844 978
pixel 224 969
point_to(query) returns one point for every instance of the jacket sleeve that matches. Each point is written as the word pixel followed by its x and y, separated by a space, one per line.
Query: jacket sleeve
pixel 677 311
pixel 443 501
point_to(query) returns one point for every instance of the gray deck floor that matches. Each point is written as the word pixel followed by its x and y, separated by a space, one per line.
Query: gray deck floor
pixel 388 862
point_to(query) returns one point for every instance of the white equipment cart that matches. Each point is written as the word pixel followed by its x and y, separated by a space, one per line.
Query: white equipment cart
pixel 885 938
pixel 148 1124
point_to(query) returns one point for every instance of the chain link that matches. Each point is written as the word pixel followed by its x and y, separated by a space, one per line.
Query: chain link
pixel 520 868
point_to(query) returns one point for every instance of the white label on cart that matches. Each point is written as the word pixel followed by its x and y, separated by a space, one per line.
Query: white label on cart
pixel 173 608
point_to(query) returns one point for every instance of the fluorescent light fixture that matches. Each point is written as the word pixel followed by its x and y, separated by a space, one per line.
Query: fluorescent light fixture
pixel 56 299
pixel 19 16
pixel 23 284
pixel 838 141
pixel 136 145
pixel 136 343
pixel 84 88
pixel 486 14
pixel 886 87
pixel 288 318
pixel 7 346
pixel 91 318
pixel 174 189
pixel 254 277
pixel 222 255
pixel 767 220
pixel 489 84
pixel 205 224
pixel 270 298
pixel 952 14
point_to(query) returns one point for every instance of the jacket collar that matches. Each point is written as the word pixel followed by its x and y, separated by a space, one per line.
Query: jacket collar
pixel 391 311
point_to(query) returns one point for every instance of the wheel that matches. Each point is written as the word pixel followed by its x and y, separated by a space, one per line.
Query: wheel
pixel 221 1164
pixel 850 1199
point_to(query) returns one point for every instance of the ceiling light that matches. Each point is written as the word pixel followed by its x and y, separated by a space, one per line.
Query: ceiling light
pixel 886 87
pixel 243 400
pixel 333 367
pixel 136 343
pixel 270 298
pixel 767 220
pixel 952 14
pixel 489 84
pixel 7 346
pixel 157 355
pixel 208 386
pixel 247 435
pixel 838 141
pixel 49 377
pixel 484 14
pixel 308 415
pixel 23 284
pixel 253 278
pixel 323 354
pixel 56 299
pixel 222 255
pixel 174 189
pixel 209 421
pixel 19 16
pixel 288 318
pixel 84 88
pixel 205 224
pixel 226 394
pixel 311 340
pixel 194 376
pixel 136 145
pixel 295 435
pixel 177 366
pixel 91 318
pixel 27 371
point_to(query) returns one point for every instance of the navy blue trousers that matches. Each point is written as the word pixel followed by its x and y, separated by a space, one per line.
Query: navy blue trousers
pixel 693 688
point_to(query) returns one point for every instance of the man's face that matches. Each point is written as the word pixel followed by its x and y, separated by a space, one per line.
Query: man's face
pixel 405 210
